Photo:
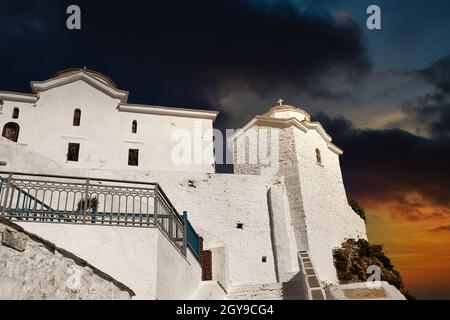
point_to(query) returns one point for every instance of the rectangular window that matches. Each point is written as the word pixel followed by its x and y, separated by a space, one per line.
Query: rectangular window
pixel 73 152
pixel 133 157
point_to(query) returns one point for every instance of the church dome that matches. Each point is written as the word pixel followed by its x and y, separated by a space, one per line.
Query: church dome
pixel 272 111
pixel 282 107
pixel 98 75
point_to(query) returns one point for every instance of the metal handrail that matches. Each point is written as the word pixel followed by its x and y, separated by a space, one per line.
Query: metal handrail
pixel 155 184
pixel 74 178
pixel 68 199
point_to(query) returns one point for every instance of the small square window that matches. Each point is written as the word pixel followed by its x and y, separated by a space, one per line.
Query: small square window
pixel 264 259
pixel 73 152
pixel 239 225
pixel 133 157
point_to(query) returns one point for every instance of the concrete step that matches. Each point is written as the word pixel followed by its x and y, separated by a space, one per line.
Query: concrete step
pixel 270 291
pixel 293 290
pixel 303 286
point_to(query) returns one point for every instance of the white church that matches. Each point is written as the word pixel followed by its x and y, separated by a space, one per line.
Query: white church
pixel 95 175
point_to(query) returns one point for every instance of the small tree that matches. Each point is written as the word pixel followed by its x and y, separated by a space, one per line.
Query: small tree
pixel 86 204
pixel 353 259
pixel 357 208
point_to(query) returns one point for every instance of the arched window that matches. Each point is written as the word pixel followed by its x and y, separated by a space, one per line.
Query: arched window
pixel 134 127
pixel 11 131
pixel 318 156
pixel 15 114
pixel 76 117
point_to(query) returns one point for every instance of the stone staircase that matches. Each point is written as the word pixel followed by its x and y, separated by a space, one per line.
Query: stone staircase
pixel 315 290
pixel 304 286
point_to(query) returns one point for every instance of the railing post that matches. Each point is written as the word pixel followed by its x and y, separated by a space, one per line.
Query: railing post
pixel 86 201
pixel 171 219
pixel 5 201
pixel 155 205
pixel 185 220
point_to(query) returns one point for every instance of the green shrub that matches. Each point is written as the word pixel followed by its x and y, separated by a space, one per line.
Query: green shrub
pixel 91 203
pixel 353 259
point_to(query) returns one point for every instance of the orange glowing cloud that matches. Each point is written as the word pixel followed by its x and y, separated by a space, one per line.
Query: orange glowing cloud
pixel 420 249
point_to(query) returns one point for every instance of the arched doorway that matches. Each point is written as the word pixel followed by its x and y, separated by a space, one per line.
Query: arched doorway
pixel 11 131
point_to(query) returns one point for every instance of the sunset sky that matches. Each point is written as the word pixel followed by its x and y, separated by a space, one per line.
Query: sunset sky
pixel 383 95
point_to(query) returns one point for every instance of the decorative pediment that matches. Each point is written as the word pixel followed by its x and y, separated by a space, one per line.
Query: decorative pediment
pixel 88 77
pixel 304 125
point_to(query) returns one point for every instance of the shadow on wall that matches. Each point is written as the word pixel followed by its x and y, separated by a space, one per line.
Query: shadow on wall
pixel 295 289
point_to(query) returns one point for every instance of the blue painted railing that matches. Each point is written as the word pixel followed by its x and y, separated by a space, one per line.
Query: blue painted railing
pixel 192 238
pixel 55 199
pixel 29 202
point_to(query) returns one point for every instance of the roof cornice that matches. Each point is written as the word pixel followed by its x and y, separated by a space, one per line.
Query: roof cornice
pixel 38 86
pixel 19 97
pixel 286 123
pixel 168 111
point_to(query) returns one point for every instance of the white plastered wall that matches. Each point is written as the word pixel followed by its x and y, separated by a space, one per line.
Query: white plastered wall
pixel 105 134
pixel 321 217
pixel 329 218
pixel 215 204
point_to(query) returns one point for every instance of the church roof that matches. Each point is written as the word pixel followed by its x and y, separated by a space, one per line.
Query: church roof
pixel 281 107
pixel 94 78
pixel 98 75
pixel 268 119
pixel 286 107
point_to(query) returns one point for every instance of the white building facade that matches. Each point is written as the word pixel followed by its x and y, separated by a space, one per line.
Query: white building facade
pixel 288 144
pixel 272 224
pixel 81 119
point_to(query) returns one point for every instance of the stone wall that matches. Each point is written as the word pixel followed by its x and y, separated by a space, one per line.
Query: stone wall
pixel 33 268
pixel 142 258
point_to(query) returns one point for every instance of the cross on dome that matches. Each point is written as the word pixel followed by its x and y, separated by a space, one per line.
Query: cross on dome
pixel 280 101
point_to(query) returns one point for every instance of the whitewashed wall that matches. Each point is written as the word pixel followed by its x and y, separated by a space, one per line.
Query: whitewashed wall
pixel 215 204
pixel 127 254
pixel 329 218
pixel 104 133
pixel 34 269
pixel 176 278
pixel 141 258
pixel 320 215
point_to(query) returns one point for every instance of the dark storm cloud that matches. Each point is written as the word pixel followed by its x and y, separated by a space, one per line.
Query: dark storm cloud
pixel 181 52
pixel 431 112
pixel 438 74
pixel 394 167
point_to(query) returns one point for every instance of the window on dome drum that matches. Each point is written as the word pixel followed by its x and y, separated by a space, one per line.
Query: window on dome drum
pixel 15 114
pixel 73 152
pixel 76 117
pixel 133 157
pixel 134 127
pixel 318 156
